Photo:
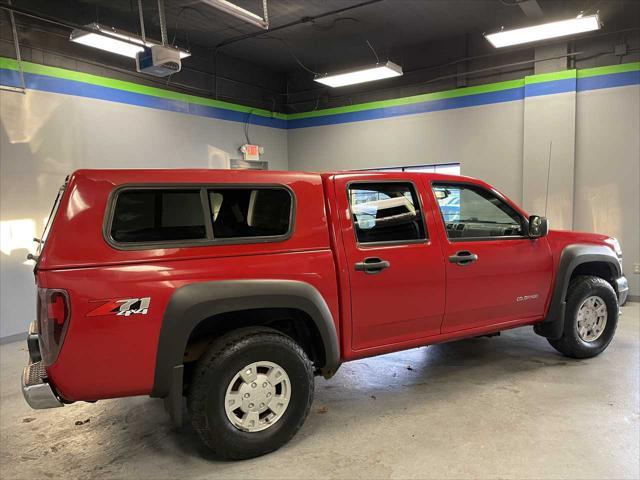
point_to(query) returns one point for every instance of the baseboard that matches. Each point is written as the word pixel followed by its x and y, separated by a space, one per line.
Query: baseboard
pixel 633 298
pixel 13 338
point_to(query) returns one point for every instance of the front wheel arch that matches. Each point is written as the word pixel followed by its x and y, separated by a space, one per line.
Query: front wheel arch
pixel 575 259
pixel 573 343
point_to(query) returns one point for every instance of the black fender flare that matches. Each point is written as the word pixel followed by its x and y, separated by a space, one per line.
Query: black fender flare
pixel 571 257
pixel 191 304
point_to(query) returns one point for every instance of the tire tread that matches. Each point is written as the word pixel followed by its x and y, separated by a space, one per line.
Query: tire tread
pixel 225 346
pixel 580 287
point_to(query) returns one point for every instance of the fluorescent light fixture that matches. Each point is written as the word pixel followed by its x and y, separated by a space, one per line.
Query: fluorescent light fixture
pixel 114 41
pixel 239 12
pixel 361 75
pixel 545 31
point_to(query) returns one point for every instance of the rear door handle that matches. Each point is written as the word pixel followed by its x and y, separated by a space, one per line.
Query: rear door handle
pixel 463 257
pixel 372 265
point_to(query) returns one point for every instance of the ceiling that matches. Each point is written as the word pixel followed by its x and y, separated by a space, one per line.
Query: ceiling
pixel 335 40
pixel 439 44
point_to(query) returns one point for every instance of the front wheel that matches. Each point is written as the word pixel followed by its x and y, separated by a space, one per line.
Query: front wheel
pixel 590 319
pixel 250 393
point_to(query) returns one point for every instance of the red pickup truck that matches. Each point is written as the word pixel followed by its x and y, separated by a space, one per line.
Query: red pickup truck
pixel 234 288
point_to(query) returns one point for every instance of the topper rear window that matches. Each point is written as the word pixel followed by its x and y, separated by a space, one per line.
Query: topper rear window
pixel 199 215
pixel 158 216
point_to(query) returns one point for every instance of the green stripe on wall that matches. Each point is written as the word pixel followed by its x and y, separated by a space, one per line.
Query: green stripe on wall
pixel 550 77
pixel 11 64
pixel 625 67
pixel 459 92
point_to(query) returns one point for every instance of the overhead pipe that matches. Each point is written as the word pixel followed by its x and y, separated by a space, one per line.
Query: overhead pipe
pixel 302 20
pixel 239 12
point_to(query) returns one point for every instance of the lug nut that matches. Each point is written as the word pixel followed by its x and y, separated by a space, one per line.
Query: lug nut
pixel 264 385
pixel 246 395
pixel 254 385
pixel 251 405
pixel 262 405
pixel 268 394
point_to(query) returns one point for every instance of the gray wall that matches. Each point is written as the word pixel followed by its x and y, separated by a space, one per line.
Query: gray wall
pixel 446 136
pixel 595 177
pixel 549 151
pixel 607 176
pixel 45 136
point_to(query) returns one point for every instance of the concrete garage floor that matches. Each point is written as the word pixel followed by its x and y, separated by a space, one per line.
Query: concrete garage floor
pixel 483 408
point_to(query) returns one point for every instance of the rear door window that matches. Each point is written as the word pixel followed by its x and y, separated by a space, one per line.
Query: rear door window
pixel 386 212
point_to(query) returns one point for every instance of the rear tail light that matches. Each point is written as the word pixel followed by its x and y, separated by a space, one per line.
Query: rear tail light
pixel 53 319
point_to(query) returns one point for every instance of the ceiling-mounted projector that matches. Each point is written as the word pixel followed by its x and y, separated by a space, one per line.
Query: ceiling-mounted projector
pixel 159 61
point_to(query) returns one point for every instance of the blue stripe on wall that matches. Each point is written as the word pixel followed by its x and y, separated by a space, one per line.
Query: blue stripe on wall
pixel 608 81
pixel 423 107
pixel 71 87
pixel 549 88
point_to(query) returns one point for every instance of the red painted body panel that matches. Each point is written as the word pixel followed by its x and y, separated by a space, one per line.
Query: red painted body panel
pixel 403 302
pixel 422 299
pixel 76 237
pixel 113 356
pixel 485 292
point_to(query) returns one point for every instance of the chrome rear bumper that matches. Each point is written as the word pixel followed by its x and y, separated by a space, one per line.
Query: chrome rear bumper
pixel 36 390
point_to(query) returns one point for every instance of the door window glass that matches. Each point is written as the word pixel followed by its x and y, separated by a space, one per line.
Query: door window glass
pixel 386 212
pixel 473 212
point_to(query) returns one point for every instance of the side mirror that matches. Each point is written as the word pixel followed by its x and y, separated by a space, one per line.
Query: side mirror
pixel 538 226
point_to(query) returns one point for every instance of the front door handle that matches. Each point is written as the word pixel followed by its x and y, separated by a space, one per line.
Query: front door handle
pixel 463 257
pixel 372 265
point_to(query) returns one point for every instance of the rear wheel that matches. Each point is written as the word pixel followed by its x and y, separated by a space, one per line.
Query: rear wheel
pixel 250 393
pixel 590 320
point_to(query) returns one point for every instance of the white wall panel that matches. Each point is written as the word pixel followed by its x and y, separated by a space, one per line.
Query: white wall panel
pixel 607 180
pixel 549 125
pixel 486 141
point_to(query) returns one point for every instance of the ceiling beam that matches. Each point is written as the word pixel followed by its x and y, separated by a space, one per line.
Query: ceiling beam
pixel 296 22
pixel 531 8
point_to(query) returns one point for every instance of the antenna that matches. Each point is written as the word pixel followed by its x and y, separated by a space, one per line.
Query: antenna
pixel 546 198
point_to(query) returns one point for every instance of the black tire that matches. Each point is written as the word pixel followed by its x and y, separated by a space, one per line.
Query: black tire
pixel 227 356
pixel 580 288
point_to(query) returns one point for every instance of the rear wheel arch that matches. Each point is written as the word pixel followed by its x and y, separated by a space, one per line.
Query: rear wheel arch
pixel 292 322
pixel 222 301
pixel 575 261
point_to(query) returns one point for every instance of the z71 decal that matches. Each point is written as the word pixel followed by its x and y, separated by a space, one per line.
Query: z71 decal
pixel 121 306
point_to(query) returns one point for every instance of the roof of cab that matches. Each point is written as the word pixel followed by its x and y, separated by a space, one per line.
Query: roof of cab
pixel 192 175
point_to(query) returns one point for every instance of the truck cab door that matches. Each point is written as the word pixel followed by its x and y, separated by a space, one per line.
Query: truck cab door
pixel 395 266
pixel 496 274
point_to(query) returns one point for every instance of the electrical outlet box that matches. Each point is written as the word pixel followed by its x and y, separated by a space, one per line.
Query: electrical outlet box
pixel 620 50
pixel 636 268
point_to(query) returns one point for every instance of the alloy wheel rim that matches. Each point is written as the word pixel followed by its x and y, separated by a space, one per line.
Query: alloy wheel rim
pixel 592 318
pixel 257 396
